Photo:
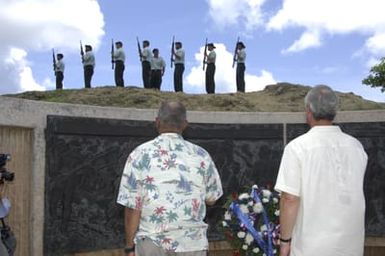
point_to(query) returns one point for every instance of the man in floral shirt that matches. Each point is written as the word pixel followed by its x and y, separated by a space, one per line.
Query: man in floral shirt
pixel 165 186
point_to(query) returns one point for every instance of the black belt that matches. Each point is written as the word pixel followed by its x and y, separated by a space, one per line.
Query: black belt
pixel 118 61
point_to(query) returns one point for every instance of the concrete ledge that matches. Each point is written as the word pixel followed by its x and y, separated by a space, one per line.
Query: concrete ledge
pixel 33 114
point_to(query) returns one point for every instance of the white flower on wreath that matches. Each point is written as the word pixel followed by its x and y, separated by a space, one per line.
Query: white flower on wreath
pixel 227 215
pixel 251 203
pixel 224 224
pixel 275 200
pixel 266 193
pixel 265 200
pixel 249 239
pixel 263 228
pixel 244 247
pixel 257 208
pixel 255 186
pixel 241 234
pixel 244 208
pixel 243 196
pixel 276 213
pixel 256 250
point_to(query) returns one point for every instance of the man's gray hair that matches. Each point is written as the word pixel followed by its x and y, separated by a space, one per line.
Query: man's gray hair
pixel 172 114
pixel 322 102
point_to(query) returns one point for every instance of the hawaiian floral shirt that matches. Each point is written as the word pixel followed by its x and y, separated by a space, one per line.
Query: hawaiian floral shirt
pixel 169 180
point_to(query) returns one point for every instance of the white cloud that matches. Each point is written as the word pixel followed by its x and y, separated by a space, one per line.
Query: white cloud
pixel 376 44
pixel 23 73
pixel 234 12
pixel 307 40
pixel 225 74
pixel 330 17
pixel 39 25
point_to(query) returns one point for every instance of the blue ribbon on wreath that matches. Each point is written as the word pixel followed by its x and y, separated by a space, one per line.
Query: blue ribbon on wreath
pixel 254 194
pixel 244 220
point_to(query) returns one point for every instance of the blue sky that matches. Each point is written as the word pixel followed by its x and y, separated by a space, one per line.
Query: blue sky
pixel 307 42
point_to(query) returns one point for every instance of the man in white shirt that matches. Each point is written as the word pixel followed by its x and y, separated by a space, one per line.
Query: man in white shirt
pixel 119 59
pixel 88 64
pixel 146 64
pixel 158 67
pixel 322 208
pixel 178 56
pixel 240 58
pixel 59 71
pixel 210 70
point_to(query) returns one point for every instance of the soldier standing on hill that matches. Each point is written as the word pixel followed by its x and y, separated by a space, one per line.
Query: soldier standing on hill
pixel 146 64
pixel 240 59
pixel 179 67
pixel 210 71
pixel 59 71
pixel 119 58
pixel 157 69
pixel 88 64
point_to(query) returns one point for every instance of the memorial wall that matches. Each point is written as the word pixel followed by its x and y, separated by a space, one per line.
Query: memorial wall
pixel 78 154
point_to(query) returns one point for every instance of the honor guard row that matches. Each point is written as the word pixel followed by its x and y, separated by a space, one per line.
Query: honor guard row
pixel 154 66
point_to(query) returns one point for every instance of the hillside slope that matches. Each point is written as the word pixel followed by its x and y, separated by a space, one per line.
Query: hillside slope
pixel 281 97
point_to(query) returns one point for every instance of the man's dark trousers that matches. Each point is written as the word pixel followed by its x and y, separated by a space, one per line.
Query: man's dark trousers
pixel 210 82
pixel 59 79
pixel 146 74
pixel 156 78
pixel 119 70
pixel 241 77
pixel 88 72
pixel 178 77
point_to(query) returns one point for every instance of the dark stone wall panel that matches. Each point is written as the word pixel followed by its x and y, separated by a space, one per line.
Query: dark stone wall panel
pixel 85 159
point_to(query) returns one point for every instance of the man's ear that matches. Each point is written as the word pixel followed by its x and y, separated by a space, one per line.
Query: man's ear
pixel 309 116
pixel 157 123
pixel 185 124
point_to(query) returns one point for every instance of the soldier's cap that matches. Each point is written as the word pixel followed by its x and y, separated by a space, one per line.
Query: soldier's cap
pixel 211 44
pixel 241 44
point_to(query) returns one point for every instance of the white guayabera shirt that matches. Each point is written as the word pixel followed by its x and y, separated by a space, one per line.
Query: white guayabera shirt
pixel 325 168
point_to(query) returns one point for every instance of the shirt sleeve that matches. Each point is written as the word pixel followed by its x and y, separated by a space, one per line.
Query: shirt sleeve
pixel 289 174
pixel 213 182
pixel 130 189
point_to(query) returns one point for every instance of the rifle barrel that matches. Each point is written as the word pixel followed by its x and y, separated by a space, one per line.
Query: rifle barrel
pixel 54 60
pixel 204 55
pixel 112 53
pixel 235 52
pixel 172 50
pixel 139 49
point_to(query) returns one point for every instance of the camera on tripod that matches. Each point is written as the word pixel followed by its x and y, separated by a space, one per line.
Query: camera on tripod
pixel 5 175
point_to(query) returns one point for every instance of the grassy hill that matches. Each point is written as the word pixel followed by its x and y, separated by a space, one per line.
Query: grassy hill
pixel 281 97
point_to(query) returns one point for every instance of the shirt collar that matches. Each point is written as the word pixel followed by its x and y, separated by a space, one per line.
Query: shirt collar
pixel 325 128
pixel 171 135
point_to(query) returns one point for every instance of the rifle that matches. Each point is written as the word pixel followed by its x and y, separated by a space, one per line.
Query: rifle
pixel 172 50
pixel 81 51
pixel 54 60
pixel 139 49
pixel 235 52
pixel 112 53
pixel 204 55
